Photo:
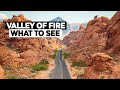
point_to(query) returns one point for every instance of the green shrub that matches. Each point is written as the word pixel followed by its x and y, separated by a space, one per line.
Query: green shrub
pixel 11 76
pixel 80 77
pixel 8 68
pixel 66 54
pixel 44 61
pixel 79 63
pixel 54 55
pixel 40 67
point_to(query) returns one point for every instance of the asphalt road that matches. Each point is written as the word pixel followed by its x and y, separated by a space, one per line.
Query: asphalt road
pixel 60 71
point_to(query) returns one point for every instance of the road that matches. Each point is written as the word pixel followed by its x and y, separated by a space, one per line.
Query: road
pixel 61 70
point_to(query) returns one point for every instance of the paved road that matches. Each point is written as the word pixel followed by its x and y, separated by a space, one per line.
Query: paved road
pixel 60 71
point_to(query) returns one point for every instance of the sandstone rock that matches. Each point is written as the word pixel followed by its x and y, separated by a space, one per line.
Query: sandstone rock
pixel 21 52
pixel 105 19
pixel 88 41
pixel 90 73
pixel 102 65
pixel 1 73
pixel 101 61
pixel 113 34
pixel 101 56
pixel 116 71
pixel 101 35
pixel 30 58
pixel 81 27
pixel 73 37
pixel 16 19
pixel 21 16
pixel 9 59
pixel 14 54
pixel 95 25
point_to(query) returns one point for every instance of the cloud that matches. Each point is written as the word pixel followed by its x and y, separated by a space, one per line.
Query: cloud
pixel 3 16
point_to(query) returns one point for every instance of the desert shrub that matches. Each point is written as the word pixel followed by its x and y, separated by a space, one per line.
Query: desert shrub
pixel 79 63
pixel 44 61
pixel 66 54
pixel 11 76
pixel 54 55
pixel 80 77
pixel 40 66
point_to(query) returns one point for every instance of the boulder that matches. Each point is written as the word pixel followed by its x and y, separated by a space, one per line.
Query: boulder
pixel 102 65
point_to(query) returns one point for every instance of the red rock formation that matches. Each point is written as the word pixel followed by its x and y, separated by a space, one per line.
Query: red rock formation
pixel 1 73
pixel 92 40
pixel 73 37
pixel 113 34
pixel 101 35
pixel 9 58
pixel 81 27
pixel 3 35
pixel 100 66
pixel 97 25
pixel 31 50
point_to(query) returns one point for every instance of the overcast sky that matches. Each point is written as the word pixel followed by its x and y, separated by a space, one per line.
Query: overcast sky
pixel 69 16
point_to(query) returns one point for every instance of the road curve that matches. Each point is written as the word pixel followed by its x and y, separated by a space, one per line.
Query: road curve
pixel 61 70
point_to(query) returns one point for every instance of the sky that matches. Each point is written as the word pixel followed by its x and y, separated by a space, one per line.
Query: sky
pixel 69 16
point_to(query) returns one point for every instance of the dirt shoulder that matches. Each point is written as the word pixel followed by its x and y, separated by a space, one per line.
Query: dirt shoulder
pixel 45 74
pixel 71 71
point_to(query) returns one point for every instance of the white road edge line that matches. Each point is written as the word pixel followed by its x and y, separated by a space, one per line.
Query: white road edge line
pixel 61 71
pixel 61 68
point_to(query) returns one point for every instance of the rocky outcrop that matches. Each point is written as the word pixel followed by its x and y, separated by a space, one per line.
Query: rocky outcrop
pixel 24 52
pixel 90 40
pixel 97 25
pixel 19 18
pixel 1 73
pixel 96 44
pixel 101 65
pixel 73 37
pixel 82 27
pixel 53 43
pixel 9 58
pixel 113 34
pixel 3 35
pixel 101 35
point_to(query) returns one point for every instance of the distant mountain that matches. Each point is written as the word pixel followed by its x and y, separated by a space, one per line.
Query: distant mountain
pixel 2 17
pixel 70 27
pixel 84 24
pixel 76 26
pixel 57 19
pixel 65 32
